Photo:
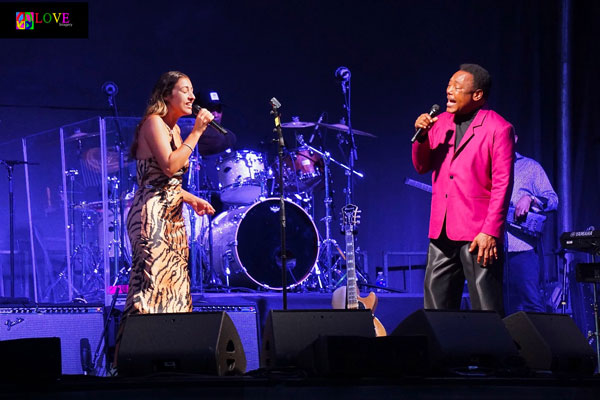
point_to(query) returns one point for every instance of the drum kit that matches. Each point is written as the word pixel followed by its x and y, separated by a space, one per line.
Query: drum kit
pixel 240 248
pixel 91 229
pixel 237 249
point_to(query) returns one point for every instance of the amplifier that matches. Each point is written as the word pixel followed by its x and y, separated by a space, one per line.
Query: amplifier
pixel 245 319
pixel 73 325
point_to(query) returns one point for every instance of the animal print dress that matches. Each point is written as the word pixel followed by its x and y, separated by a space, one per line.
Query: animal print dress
pixel 159 280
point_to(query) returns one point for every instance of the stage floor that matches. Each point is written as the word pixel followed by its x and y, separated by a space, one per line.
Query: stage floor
pixel 295 386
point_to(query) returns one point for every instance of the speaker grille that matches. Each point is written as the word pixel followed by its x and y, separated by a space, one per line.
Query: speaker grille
pixel 71 324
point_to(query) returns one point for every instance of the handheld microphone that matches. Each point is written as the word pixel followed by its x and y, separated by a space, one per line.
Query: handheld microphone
pixel 196 109
pixel 435 109
pixel 85 355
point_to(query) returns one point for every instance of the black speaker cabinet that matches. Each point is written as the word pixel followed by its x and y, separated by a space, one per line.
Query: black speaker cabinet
pixel 289 332
pixel 204 343
pixel 77 327
pixel 462 340
pixel 245 319
pixel 30 360
pixel 386 356
pixel 551 342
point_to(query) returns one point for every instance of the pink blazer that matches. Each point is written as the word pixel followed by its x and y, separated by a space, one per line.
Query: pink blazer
pixel 472 186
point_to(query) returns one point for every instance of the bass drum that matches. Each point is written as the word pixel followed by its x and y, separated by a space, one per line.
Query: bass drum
pixel 247 245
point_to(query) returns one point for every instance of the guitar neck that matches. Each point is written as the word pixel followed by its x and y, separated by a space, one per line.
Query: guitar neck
pixel 351 286
pixel 418 185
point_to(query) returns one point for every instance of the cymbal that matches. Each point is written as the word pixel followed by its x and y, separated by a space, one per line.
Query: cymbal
pixel 344 128
pixel 80 135
pixel 94 160
pixel 297 124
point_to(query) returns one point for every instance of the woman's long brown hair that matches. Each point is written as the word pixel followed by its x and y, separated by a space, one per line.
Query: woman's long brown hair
pixel 156 104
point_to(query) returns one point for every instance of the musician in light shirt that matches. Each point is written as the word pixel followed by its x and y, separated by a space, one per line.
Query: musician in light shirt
pixel 532 192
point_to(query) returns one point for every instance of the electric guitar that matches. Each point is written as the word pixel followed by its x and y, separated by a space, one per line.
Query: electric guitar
pixel 348 296
pixel 532 224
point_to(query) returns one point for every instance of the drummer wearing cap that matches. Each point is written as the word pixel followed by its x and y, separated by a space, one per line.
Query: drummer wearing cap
pixel 213 141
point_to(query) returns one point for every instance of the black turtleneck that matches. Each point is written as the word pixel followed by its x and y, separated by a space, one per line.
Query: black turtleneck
pixel 462 124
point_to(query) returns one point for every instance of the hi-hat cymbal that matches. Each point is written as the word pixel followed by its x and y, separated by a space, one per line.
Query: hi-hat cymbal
pixel 344 128
pixel 297 124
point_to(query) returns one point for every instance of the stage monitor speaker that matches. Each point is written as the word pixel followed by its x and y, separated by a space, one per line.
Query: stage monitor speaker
pixel 551 342
pixel 289 332
pixel 78 327
pixel 31 360
pixel 245 319
pixel 468 341
pixel 385 356
pixel 204 343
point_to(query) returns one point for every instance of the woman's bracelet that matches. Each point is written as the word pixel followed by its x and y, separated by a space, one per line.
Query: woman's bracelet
pixel 188 146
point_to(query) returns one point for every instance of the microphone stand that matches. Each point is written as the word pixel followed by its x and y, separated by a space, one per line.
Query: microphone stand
pixel 10 164
pixel 120 144
pixel 352 156
pixel 275 105
pixel 103 340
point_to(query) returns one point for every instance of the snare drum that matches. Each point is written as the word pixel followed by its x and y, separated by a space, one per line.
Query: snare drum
pixel 241 177
pixel 302 170
pixel 247 245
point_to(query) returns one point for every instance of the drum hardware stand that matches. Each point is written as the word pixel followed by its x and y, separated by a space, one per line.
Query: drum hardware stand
pixel 275 106
pixel 328 242
pixel 318 274
pixel 88 261
pixel 193 187
pixel 10 164
pixel 227 270
pixel 71 174
pixel 121 260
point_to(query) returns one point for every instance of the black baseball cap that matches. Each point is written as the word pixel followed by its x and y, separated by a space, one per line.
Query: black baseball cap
pixel 209 100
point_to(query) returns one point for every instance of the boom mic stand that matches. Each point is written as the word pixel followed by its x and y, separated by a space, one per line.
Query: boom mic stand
pixel 111 89
pixel 343 75
pixel 275 106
